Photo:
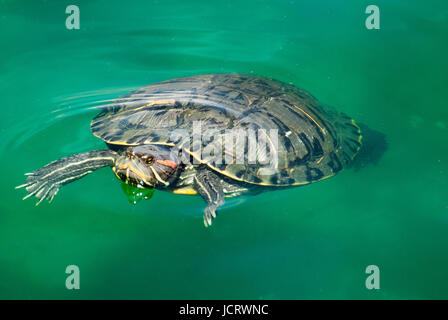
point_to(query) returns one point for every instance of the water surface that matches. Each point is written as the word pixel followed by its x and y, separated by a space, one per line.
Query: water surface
pixel 310 242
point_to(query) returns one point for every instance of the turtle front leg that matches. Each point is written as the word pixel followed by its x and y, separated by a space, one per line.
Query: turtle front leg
pixel 209 186
pixel 45 182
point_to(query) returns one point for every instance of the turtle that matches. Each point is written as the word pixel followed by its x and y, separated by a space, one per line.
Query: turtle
pixel 312 141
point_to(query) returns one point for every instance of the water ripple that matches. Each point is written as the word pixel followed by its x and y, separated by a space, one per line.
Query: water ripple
pixel 67 107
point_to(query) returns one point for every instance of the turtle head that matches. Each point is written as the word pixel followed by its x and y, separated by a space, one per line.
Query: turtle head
pixel 147 166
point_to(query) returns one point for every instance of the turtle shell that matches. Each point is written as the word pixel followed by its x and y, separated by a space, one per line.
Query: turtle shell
pixel 313 142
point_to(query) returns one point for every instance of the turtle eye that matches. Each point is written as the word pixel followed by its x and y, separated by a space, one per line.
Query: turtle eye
pixel 149 160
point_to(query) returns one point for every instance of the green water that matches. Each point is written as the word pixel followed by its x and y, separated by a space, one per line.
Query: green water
pixel 310 242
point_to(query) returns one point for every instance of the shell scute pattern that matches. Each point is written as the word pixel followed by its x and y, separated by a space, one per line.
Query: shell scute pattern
pixel 314 142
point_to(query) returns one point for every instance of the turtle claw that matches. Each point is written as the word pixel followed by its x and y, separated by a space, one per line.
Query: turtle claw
pixel 209 215
pixel 40 189
pixel 45 192
pixel 207 221
pixel 39 202
pixel 22 186
pixel 28 195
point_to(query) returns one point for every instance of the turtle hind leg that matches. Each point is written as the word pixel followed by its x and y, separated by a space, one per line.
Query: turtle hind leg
pixel 45 182
pixel 209 186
